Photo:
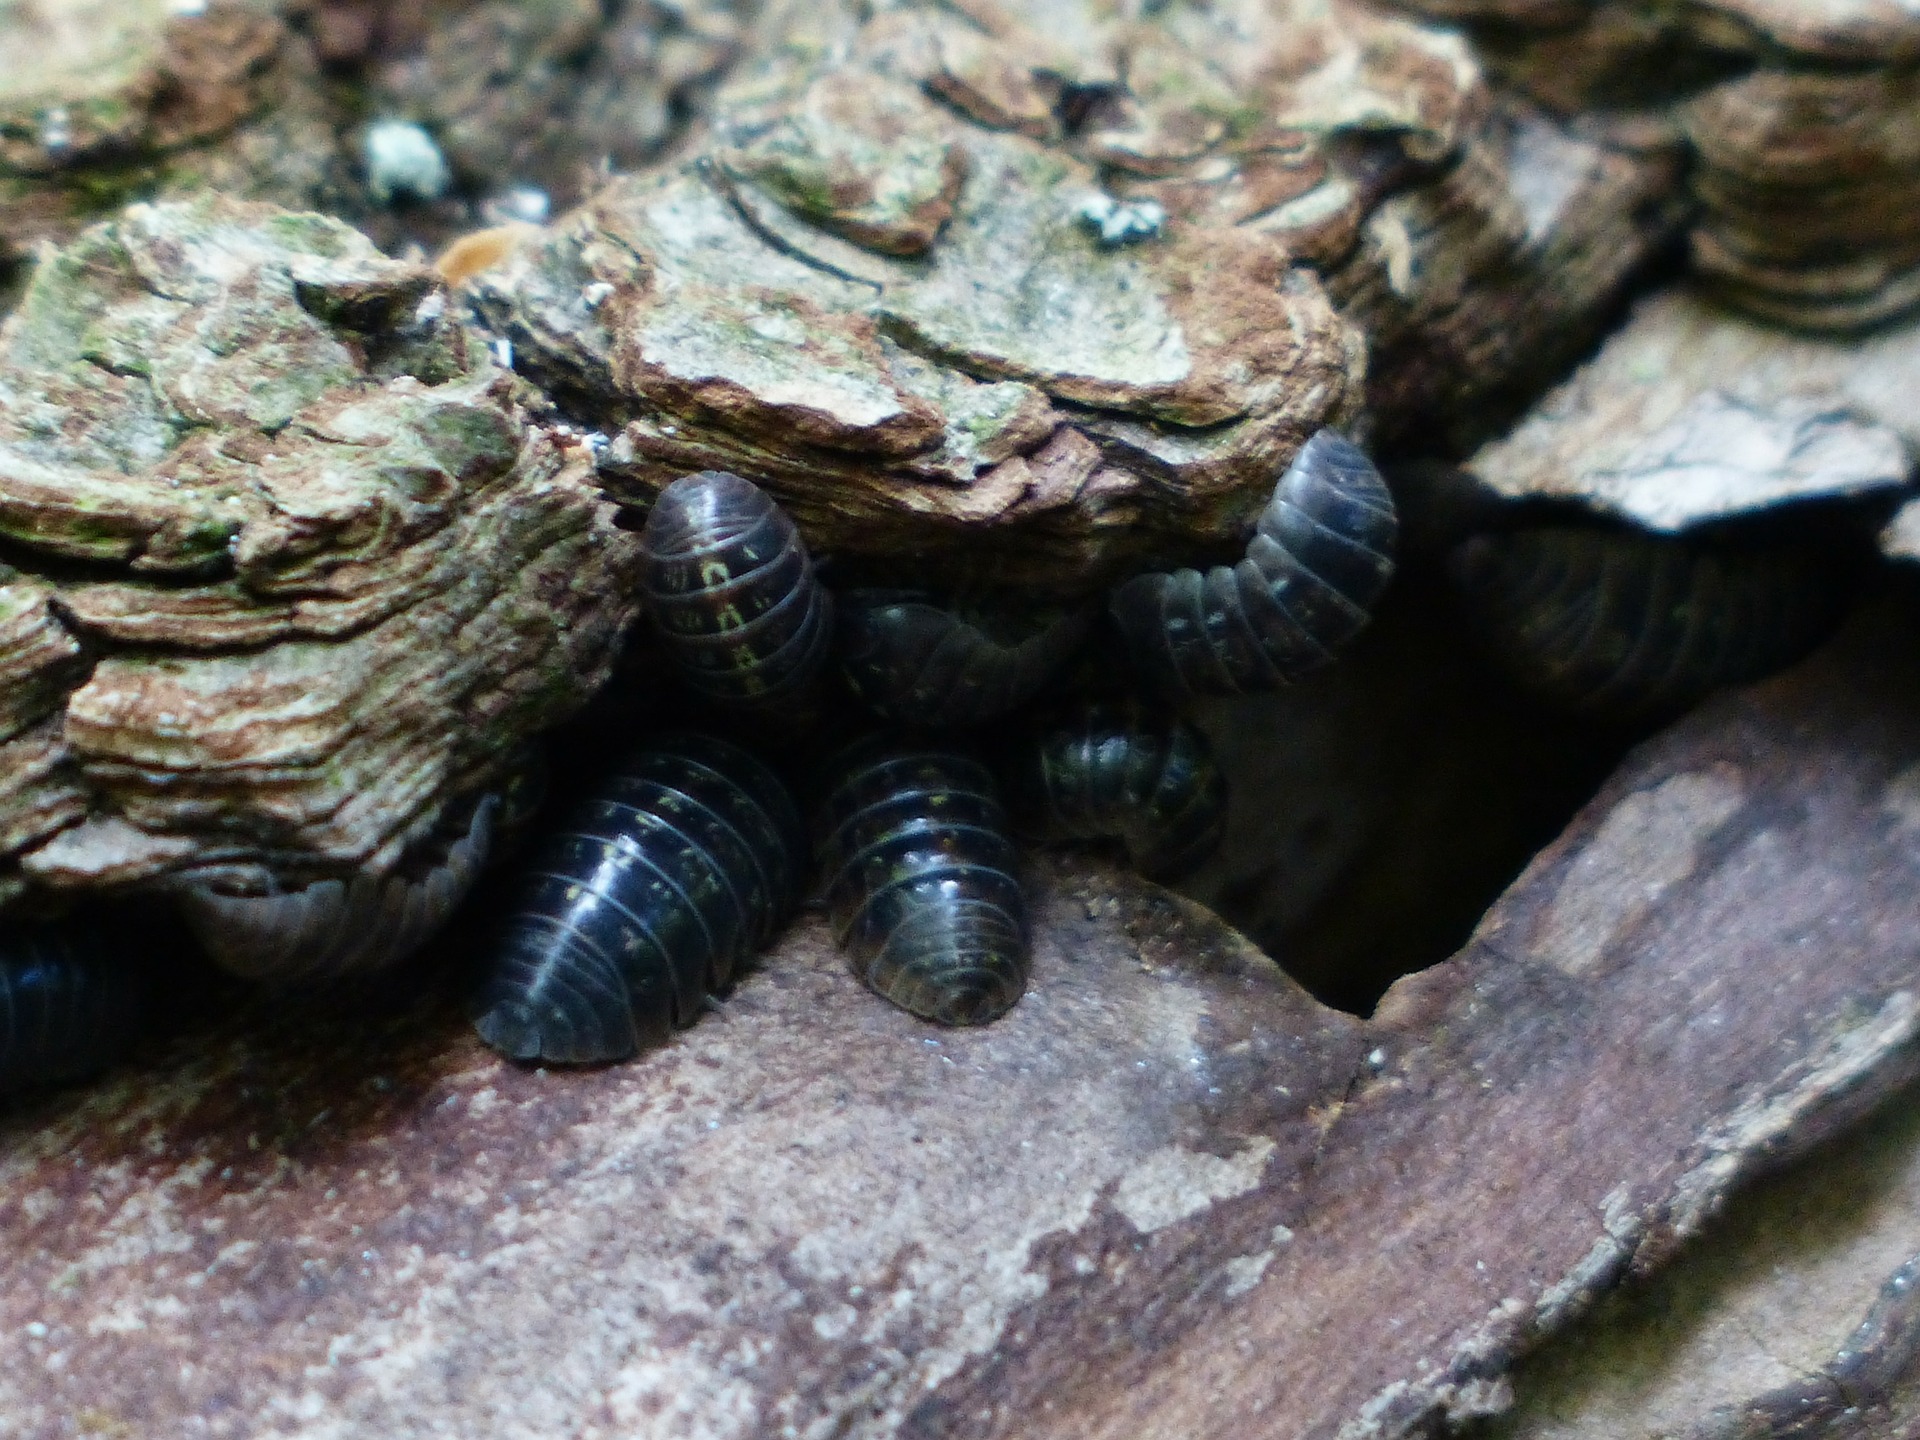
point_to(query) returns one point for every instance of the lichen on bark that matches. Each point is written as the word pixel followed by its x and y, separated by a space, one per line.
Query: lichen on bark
pixel 879 281
pixel 294 567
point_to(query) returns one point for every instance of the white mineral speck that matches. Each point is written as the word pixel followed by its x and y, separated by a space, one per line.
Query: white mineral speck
pixel 403 162
pixel 1121 222
pixel 524 204
pixel 56 130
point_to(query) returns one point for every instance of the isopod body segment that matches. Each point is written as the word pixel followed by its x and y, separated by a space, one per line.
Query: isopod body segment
pixel 919 663
pixel 920 881
pixel 732 590
pixel 334 928
pixel 72 1000
pixel 1118 771
pixel 1621 626
pixel 1321 553
pixel 644 901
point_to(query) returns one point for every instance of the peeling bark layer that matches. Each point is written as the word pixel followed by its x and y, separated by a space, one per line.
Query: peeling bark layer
pixel 1803 120
pixel 295 571
pixel 1690 415
pixel 1167 1193
pixel 1796 1317
pixel 1035 297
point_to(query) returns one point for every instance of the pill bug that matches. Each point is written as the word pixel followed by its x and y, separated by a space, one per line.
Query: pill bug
pixel 922 664
pixel 526 780
pixel 1102 770
pixel 1321 554
pixel 678 868
pixel 1619 625
pixel 334 928
pixel 920 882
pixel 72 1000
pixel 732 592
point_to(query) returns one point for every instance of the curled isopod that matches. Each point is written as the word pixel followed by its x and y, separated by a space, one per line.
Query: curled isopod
pixel 72 1000
pixel 1620 625
pixel 920 881
pixel 1321 553
pixel 732 591
pixel 679 868
pixel 922 664
pixel 334 928
pixel 1117 771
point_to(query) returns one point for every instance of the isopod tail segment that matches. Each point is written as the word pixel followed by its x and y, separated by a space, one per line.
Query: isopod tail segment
pixel 733 594
pixel 1100 770
pixel 643 903
pixel 921 880
pixel 1623 627
pixel 74 996
pixel 331 929
pixel 923 664
pixel 1321 554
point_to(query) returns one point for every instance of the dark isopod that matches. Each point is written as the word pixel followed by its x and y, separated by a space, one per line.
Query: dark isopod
pixel 335 928
pixel 920 664
pixel 920 882
pixel 1107 771
pixel 732 591
pixel 1321 553
pixel 1620 625
pixel 680 867
pixel 72 998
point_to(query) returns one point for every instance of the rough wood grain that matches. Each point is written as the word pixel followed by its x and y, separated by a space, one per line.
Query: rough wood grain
pixel 1168 1195
pixel 1803 117
pixel 1035 296
pixel 1795 1318
pixel 298 570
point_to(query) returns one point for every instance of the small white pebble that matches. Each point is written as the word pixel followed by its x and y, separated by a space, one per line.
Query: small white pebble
pixel 56 130
pixel 37 1330
pixel 592 295
pixel 1117 222
pixel 503 353
pixel 403 161
pixel 523 204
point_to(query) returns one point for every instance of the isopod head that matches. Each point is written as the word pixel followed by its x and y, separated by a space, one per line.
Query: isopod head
pixel 1101 770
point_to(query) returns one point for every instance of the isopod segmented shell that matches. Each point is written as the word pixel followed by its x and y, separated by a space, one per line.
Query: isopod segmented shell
pixel 921 664
pixel 679 868
pixel 921 886
pixel 1621 625
pixel 335 928
pixel 732 590
pixel 72 1000
pixel 1321 553
pixel 1111 771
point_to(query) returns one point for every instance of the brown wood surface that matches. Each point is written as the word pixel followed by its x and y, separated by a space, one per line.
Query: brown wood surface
pixel 1170 1195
